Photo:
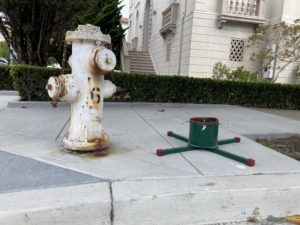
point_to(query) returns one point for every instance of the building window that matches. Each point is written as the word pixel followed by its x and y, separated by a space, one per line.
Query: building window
pixel 237 50
pixel 168 52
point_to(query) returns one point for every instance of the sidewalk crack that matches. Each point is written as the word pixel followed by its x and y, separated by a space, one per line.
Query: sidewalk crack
pixel 62 129
pixel 191 164
pixel 112 215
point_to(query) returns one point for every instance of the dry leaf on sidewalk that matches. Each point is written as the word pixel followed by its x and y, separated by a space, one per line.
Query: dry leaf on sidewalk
pixel 293 219
pixel 54 104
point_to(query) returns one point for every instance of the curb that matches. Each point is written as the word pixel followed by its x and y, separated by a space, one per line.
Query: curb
pixel 42 104
pixel 9 93
pixel 205 200
pixel 76 205
pixel 32 104
pixel 177 201
pixel 38 104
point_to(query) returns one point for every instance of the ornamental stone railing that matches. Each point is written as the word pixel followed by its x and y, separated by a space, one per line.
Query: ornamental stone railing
pixel 169 19
pixel 247 11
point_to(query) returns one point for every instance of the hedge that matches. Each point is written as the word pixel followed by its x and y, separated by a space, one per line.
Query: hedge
pixel 178 89
pixel 30 81
pixel 6 82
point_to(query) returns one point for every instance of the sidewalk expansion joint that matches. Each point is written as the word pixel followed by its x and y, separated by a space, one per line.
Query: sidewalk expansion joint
pixel 112 216
pixel 62 129
pixel 191 164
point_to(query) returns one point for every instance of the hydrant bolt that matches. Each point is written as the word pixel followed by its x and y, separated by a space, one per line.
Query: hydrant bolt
pixel 108 60
pixel 49 87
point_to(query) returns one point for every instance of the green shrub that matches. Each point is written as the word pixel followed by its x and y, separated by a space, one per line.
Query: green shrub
pixel 240 74
pixel 5 79
pixel 152 88
pixel 30 81
pixel 222 72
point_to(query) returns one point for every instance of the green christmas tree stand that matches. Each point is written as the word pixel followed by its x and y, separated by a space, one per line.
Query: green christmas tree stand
pixel 203 135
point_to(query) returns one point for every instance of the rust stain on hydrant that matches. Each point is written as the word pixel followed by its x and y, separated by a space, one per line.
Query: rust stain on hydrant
pixel 85 88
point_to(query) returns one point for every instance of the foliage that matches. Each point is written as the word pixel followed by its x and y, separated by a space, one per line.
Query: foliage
pixel 30 81
pixel 36 29
pixel 52 62
pixel 4 50
pixel 240 74
pixel 178 89
pixel 222 72
pixel 286 37
pixel 107 15
pixel 5 79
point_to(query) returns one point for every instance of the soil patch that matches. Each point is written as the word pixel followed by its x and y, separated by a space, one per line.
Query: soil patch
pixel 289 146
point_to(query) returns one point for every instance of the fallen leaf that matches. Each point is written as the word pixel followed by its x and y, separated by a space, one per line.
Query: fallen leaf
pixel 253 220
pixel 54 104
pixel 293 219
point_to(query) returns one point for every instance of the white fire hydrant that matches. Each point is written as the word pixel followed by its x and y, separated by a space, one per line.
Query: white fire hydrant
pixel 85 88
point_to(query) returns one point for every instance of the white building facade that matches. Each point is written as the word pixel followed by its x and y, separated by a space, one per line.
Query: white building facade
pixel 187 37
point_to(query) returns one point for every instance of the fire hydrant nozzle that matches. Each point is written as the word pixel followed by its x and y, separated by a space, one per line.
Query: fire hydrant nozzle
pixel 102 61
pixel 85 88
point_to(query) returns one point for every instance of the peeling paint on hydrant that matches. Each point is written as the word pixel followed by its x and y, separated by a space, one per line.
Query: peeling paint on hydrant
pixel 85 88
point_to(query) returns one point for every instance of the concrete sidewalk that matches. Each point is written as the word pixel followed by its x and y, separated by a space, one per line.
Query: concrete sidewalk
pixel 136 186
pixel 290 114
pixel 7 96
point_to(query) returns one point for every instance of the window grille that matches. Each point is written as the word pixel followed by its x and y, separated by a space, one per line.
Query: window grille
pixel 237 50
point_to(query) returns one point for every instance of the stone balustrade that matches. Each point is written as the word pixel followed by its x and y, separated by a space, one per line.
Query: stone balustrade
pixel 248 11
pixel 169 19
pixel 244 7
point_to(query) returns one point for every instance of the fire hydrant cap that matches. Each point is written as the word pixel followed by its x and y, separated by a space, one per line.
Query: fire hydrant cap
pixel 52 87
pixel 106 59
pixel 87 32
